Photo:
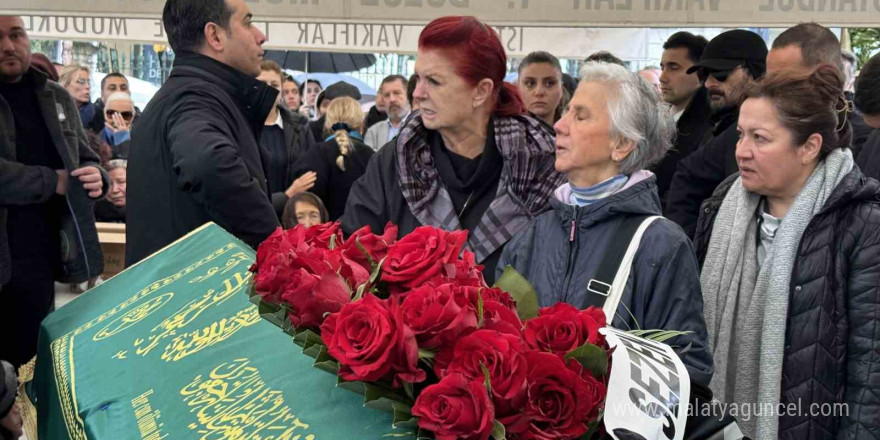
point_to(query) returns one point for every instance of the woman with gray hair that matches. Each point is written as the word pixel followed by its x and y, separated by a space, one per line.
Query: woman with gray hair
pixel 581 253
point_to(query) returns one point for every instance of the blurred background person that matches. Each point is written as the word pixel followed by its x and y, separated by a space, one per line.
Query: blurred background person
pixel 304 209
pixel 325 97
pixel 341 159
pixel 394 95
pixel 290 94
pixel 689 100
pixel 118 116
pixel 111 83
pixel 112 208
pixel 651 74
pixel 867 102
pixel 540 86
pixel 282 143
pixel 411 84
pixel 379 111
pixel 309 91
pixel 76 79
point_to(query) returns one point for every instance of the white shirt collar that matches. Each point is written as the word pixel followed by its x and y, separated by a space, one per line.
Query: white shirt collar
pixel 402 120
pixel 278 121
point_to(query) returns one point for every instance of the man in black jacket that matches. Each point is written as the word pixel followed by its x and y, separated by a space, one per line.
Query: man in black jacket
pixel 195 154
pixel 689 101
pixel 49 178
pixel 867 101
pixel 730 61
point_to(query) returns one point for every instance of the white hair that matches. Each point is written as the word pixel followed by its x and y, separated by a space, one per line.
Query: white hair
pixel 636 114
pixel 119 96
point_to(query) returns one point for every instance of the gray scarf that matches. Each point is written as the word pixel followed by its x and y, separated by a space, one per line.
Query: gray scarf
pixel 746 309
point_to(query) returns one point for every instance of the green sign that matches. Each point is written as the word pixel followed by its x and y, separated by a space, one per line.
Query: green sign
pixel 172 348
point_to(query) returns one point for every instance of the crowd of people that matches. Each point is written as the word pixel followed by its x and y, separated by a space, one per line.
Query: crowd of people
pixel 749 172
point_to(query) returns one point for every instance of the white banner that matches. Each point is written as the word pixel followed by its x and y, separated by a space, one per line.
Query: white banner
pixel 571 13
pixel 648 390
pixel 627 43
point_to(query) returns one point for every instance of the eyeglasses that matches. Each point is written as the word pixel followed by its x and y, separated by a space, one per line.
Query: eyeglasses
pixel 82 81
pixel 720 75
pixel 125 115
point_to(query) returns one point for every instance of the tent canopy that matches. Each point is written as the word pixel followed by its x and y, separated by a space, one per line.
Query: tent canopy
pixel 552 13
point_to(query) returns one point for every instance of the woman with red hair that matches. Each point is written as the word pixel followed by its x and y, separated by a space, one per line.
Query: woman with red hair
pixel 469 158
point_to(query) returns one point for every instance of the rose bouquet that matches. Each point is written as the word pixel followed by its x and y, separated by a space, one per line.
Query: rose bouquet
pixel 412 325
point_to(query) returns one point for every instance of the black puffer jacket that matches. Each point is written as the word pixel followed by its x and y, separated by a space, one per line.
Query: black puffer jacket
pixel 832 340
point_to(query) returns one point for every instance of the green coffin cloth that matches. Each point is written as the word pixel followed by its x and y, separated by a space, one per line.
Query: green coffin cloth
pixel 172 348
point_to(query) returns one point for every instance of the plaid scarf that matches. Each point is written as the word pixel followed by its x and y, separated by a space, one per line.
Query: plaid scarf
pixel 527 181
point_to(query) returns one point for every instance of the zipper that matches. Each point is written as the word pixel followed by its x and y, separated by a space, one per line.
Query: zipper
pixel 572 253
pixel 79 237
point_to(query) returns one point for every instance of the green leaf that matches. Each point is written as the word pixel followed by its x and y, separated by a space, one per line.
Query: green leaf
pixel 522 292
pixel 426 354
pixel 403 417
pixel 332 242
pixel 377 271
pixel 658 335
pixel 592 358
pixel 480 309
pixel 498 431
pixel 408 389
pixel 486 379
pixel 357 241
pixel 592 427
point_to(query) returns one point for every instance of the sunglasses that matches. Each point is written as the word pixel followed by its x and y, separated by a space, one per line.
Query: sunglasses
pixel 125 115
pixel 720 75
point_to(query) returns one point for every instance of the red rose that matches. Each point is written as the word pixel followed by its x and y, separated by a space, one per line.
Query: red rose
pixel 274 275
pixel 438 316
pixel 495 294
pixel 375 245
pixel 504 356
pixel 499 317
pixel 270 247
pixel 420 256
pixel 559 401
pixel 353 273
pixel 463 271
pixel 371 342
pixel 458 407
pixel 562 328
pixel 320 235
pixel 312 297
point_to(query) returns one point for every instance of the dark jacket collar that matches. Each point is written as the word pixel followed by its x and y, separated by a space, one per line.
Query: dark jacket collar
pixel 255 99
pixel 697 109
pixel 639 199
pixel 724 119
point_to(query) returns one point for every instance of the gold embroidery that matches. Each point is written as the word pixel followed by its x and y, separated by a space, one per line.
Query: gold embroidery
pixel 233 402
pixel 147 419
pixel 190 343
pixel 62 348
pixel 120 354
pixel 134 316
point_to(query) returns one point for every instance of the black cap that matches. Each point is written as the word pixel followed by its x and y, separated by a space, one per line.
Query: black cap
pixel 338 90
pixel 731 49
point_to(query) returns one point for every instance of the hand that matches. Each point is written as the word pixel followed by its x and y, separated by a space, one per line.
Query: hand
pixel 91 178
pixel 63 184
pixel 118 124
pixel 304 183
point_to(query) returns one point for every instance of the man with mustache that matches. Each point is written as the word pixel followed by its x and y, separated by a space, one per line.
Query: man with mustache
pixel 728 63
pixel 49 179
pixel 195 153
pixel 394 93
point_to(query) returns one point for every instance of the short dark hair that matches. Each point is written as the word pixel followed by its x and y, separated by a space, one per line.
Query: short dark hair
pixel 695 44
pixel 603 56
pixel 185 21
pixel 817 43
pixel 302 87
pixel 867 97
pixel 411 88
pixel 539 57
pixel 112 75
pixel 285 78
pixel 288 216
pixel 392 78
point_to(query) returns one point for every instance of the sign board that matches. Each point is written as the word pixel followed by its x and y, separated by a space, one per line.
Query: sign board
pixel 551 13
pixel 650 387
pixel 339 36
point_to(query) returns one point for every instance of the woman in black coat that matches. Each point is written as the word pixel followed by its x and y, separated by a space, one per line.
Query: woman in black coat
pixel 790 252
pixel 341 159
